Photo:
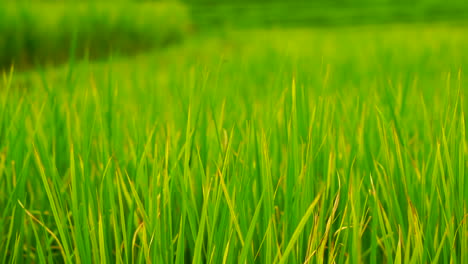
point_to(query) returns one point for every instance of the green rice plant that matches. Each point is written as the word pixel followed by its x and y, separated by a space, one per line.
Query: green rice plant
pixel 260 146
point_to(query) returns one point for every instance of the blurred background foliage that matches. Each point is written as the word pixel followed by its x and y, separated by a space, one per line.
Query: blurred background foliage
pixel 44 32
pixel 40 33
pixel 325 13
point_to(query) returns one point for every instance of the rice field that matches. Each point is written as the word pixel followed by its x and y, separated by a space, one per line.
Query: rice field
pixel 297 145
pixel 35 34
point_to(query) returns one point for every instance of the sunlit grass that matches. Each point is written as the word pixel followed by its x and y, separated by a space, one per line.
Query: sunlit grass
pixel 266 146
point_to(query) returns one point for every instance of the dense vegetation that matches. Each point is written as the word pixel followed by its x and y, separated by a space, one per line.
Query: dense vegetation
pixel 277 145
pixel 343 145
pixel 35 34
pixel 325 13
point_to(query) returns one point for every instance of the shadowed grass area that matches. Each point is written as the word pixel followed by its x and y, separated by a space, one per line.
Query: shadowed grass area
pixel 41 33
pixel 340 145
pixel 208 14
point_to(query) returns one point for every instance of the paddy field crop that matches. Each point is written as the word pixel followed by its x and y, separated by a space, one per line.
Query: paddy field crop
pixel 342 144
